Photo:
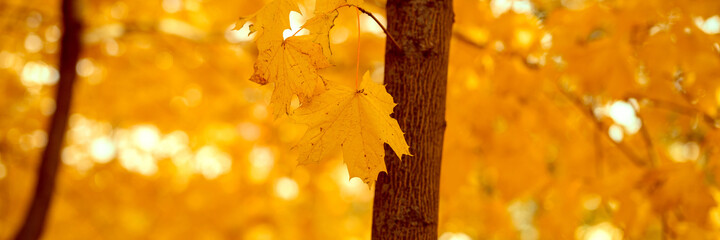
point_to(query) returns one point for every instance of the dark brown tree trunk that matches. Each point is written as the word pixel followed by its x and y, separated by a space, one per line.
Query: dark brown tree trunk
pixel 69 50
pixel 406 198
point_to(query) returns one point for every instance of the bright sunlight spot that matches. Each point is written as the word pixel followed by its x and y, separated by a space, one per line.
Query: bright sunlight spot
pixel 623 114
pixel 602 231
pixel 85 67
pixel 683 152
pixel 102 149
pixel 33 43
pixel 145 137
pixel 710 25
pixel 286 188
pixel 138 161
pixel 240 35
pixel 171 144
pixel 522 214
pixel 211 162
pixel 39 73
pixel 296 22
pixel 616 133
pixel 367 24
pixel 498 7
pixel 454 236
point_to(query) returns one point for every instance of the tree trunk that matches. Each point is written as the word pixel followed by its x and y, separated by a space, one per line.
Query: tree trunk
pixel 406 198
pixel 69 50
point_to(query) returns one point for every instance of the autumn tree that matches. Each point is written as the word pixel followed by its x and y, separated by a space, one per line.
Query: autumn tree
pixel 407 196
pixel 357 120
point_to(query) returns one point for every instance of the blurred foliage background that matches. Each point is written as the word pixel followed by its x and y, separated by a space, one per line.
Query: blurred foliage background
pixel 567 119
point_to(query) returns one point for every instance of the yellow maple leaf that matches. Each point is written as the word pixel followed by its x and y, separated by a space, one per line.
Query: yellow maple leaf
pixel 356 121
pixel 270 21
pixel 292 66
pixel 319 27
pixel 324 19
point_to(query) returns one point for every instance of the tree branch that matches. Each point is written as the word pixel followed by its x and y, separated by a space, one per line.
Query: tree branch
pixel 679 108
pixel 589 113
pixel 33 225
pixel 379 24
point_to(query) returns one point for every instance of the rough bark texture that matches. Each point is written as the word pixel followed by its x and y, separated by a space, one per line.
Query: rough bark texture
pixel 406 198
pixel 69 49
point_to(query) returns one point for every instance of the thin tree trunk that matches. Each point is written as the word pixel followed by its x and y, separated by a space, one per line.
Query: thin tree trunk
pixel 33 225
pixel 406 198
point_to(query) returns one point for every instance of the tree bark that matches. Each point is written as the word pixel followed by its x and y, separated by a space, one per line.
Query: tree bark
pixel 33 225
pixel 406 198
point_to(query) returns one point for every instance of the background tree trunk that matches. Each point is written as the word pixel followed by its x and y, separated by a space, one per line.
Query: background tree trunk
pixel 406 198
pixel 69 50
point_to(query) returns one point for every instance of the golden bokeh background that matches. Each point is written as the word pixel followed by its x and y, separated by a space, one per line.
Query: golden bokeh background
pixel 551 105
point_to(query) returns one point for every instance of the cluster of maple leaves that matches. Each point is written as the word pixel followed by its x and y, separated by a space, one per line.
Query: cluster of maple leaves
pixel 355 120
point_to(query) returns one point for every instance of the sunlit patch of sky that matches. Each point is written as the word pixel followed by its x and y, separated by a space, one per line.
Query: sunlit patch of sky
pixel 297 20
pixel 710 25
pixel 499 7
pixel 616 133
pixel 240 35
pixel 624 116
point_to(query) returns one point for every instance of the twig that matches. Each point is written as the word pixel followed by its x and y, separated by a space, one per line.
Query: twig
pixel 649 146
pixel 588 112
pixel 366 12
pixel 465 39
pixel 679 108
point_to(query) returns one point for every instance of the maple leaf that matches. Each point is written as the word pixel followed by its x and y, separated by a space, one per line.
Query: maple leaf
pixel 358 122
pixel 324 19
pixel 292 66
pixel 319 27
pixel 270 21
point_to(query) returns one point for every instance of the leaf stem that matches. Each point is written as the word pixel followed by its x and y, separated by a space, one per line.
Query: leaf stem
pixel 357 67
